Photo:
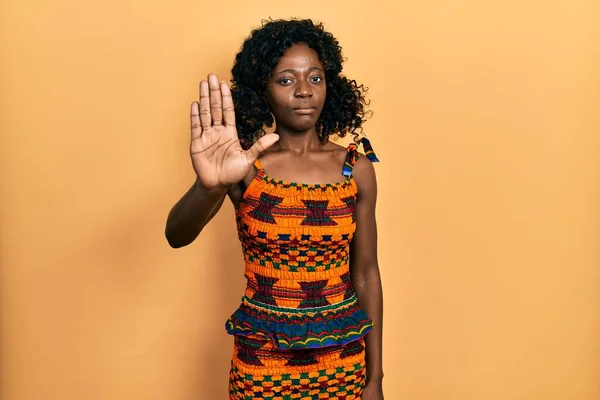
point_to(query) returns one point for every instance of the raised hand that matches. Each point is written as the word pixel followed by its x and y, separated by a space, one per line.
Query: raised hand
pixel 217 155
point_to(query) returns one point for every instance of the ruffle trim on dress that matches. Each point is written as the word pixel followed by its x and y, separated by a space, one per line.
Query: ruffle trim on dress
pixel 297 330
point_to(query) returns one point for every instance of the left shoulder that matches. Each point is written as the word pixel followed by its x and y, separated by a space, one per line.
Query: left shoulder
pixel 364 175
pixel 338 152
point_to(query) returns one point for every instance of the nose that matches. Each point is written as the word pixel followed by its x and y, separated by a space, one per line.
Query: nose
pixel 303 89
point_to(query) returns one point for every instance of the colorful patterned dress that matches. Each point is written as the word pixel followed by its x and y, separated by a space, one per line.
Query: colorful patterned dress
pixel 299 331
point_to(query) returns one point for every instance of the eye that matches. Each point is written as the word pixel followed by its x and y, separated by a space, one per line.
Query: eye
pixel 316 79
pixel 285 81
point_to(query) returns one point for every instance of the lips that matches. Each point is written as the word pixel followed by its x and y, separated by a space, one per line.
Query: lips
pixel 305 110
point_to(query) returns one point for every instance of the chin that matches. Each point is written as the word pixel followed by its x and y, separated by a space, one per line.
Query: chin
pixel 302 124
pixel 303 127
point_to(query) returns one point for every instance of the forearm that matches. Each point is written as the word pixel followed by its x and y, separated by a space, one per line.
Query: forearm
pixel 370 297
pixel 192 212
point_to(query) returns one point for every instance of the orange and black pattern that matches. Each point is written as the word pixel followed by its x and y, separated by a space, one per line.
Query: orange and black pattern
pixel 261 371
pixel 299 322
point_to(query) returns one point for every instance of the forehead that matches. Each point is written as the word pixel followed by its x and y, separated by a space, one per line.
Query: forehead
pixel 299 56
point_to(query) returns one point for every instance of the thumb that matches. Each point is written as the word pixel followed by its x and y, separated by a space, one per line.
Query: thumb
pixel 261 145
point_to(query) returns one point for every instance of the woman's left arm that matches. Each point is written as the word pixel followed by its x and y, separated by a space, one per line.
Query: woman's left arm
pixel 365 268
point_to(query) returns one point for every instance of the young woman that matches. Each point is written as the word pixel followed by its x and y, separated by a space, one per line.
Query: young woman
pixel 310 323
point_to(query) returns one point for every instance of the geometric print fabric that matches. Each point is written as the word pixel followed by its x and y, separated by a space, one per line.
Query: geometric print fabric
pixel 299 330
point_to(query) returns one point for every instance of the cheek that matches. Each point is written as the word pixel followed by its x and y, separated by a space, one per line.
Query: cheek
pixel 322 95
pixel 278 100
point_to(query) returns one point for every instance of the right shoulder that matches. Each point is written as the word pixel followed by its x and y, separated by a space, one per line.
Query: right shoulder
pixel 236 191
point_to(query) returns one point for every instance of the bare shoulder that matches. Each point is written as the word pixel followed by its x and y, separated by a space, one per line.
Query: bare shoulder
pixel 364 175
pixel 338 152
pixel 236 191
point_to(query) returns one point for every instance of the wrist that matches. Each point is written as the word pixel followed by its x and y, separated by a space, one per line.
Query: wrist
pixel 219 189
pixel 376 378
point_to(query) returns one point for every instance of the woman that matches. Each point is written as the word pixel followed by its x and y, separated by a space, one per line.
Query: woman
pixel 310 322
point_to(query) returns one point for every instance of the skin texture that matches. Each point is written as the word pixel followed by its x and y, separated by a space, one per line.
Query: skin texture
pixel 298 82
pixel 294 153
pixel 344 111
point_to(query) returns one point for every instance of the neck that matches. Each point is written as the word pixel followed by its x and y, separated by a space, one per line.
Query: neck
pixel 297 141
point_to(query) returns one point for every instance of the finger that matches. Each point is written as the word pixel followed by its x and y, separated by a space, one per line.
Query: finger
pixel 216 107
pixel 195 120
pixel 205 120
pixel 261 145
pixel 228 110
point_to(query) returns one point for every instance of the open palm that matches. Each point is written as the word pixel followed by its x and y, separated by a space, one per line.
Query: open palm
pixel 217 155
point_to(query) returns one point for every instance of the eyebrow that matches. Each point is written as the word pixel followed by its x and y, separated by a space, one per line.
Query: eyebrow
pixel 293 70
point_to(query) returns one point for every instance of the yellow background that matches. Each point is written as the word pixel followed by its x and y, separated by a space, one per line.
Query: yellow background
pixel 486 119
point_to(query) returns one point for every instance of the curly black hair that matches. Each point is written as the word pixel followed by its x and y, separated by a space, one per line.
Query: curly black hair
pixel 344 110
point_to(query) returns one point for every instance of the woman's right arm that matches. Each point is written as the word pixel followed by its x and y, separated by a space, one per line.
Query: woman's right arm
pixel 192 212
pixel 218 160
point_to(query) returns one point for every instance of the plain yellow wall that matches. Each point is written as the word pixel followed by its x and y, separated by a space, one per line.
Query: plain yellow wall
pixel 486 119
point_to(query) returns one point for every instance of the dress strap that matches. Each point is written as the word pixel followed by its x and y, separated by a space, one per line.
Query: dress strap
pixel 352 155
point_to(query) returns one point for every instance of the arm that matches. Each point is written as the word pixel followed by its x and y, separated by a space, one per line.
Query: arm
pixel 364 266
pixel 192 212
